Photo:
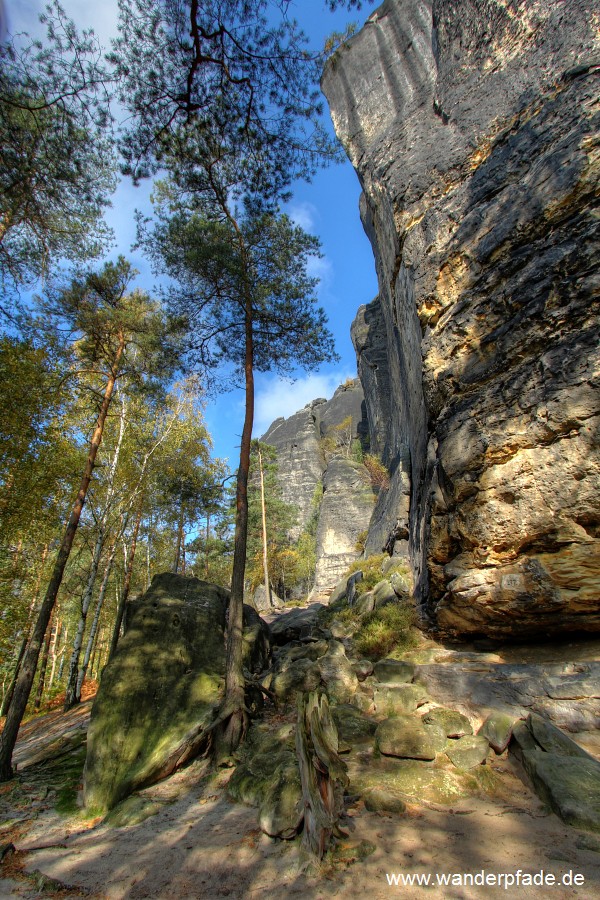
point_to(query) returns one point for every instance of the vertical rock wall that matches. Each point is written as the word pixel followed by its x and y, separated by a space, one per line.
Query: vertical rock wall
pixel 337 492
pixel 473 127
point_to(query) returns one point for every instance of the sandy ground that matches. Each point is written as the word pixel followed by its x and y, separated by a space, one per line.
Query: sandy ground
pixel 200 845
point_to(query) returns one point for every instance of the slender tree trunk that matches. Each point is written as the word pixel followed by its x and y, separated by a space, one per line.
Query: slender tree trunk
pixel 233 715
pixel 72 694
pixel 11 688
pixel 54 652
pixel 9 694
pixel 264 528
pixel 44 664
pixel 206 547
pixel 93 630
pixel 62 653
pixel 180 537
pixel 127 580
pixel 15 713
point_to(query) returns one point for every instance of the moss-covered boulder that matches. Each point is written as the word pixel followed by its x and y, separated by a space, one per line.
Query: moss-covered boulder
pixel 383 801
pixel 352 726
pixel 159 691
pixel 468 751
pixel 497 729
pixel 397 699
pixel 408 738
pixel 337 674
pixel 452 723
pixel 299 676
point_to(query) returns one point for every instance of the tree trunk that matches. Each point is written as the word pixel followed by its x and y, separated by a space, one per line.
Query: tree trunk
pixel 180 538
pixel 72 693
pixel 44 665
pixel 206 547
pixel 322 773
pixel 8 738
pixel 11 689
pixel 54 653
pixel 263 509
pixel 93 630
pixel 233 716
pixel 127 581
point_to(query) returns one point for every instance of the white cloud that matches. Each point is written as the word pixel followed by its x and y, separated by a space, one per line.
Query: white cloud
pixel 276 397
pixel 304 214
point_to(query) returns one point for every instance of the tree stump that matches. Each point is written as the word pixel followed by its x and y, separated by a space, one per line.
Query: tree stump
pixel 323 774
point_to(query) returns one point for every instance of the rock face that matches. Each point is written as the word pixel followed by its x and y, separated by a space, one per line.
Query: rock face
pixel 333 488
pixel 158 692
pixel 473 127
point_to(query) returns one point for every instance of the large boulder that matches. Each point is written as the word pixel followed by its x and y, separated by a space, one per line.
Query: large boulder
pixel 158 693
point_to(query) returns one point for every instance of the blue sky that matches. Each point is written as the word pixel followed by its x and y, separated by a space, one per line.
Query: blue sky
pixel 328 207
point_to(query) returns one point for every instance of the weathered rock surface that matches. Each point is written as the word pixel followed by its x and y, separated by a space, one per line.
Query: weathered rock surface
pixel 468 751
pixel 345 513
pixel 473 128
pixel 409 738
pixel 567 694
pixel 305 472
pixel 159 691
pixel 562 774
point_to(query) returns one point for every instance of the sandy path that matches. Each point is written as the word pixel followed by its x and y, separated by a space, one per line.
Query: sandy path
pixel 201 846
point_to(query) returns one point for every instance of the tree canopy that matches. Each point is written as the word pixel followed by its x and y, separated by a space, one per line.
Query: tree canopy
pixel 57 167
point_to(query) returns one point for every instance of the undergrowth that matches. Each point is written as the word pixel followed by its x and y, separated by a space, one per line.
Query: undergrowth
pixel 389 629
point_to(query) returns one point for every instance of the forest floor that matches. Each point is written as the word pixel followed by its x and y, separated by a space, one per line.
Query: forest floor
pixel 202 845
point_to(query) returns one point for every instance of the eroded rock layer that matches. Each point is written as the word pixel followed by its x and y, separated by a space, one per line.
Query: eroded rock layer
pixel 319 476
pixel 473 127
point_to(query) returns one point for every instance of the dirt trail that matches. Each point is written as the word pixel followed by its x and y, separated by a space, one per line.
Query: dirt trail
pixel 201 845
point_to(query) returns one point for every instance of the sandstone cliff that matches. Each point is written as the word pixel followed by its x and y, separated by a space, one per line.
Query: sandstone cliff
pixel 473 127
pixel 336 489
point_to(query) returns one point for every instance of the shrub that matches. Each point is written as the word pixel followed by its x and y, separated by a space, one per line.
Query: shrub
pixel 380 477
pixel 387 629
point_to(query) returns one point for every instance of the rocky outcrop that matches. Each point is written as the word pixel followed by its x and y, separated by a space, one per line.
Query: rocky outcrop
pixel 159 691
pixel 473 127
pixel 325 482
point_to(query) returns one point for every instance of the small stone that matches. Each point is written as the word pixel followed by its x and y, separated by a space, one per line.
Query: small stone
pixel 452 723
pixel 408 738
pixel 468 752
pixel 394 671
pixel 363 668
pixel 497 730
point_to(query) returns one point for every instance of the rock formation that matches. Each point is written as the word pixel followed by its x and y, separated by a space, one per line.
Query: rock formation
pixel 159 691
pixel 345 508
pixel 473 127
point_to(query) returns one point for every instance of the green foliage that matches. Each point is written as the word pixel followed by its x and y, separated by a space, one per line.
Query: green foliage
pixel 212 81
pixel 379 474
pixel 57 167
pixel 371 569
pixel 338 440
pixel 386 630
pixel 361 540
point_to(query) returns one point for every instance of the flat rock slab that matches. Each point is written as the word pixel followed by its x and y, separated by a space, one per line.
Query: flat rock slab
pixel 569 698
pixel 394 671
pixel 563 775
